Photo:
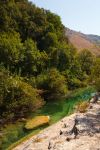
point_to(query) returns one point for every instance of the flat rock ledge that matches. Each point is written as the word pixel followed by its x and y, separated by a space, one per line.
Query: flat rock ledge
pixel 80 131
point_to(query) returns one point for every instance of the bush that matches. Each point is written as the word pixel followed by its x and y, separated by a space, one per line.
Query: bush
pixel 97 84
pixel 74 83
pixel 11 133
pixel 17 97
pixel 54 85
pixel 82 106
pixel 86 60
pixel 31 81
pixel 95 73
pixel 11 50
pixel 41 80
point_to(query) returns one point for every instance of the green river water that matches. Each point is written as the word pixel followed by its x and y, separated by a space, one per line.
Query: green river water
pixel 55 109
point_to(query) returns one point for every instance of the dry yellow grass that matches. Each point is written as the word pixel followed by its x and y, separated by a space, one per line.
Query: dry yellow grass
pixel 82 107
pixel 37 121
pixel 80 41
pixel 40 139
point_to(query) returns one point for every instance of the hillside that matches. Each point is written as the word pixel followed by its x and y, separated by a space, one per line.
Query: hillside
pixel 83 41
pixel 38 66
pixel 94 38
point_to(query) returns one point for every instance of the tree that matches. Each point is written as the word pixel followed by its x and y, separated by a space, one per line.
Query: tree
pixel 95 74
pixel 11 49
pixel 31 56
pixel 55 85
pixel 37 58
pixel 35 61
pixel 96 69
pixel 49 41
pixel 97 84
pixel 66 53
pixel 55 20
pixel 17 98
pixel 86 60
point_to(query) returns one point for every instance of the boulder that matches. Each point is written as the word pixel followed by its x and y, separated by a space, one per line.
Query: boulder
pixel 36 122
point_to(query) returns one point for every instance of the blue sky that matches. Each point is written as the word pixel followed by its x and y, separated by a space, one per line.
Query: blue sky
pixel 80 15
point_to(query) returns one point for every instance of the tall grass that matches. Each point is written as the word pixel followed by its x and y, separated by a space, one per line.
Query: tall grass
pixel 55 109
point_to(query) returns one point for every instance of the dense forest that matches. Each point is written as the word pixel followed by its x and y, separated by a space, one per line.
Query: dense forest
pixel 37 61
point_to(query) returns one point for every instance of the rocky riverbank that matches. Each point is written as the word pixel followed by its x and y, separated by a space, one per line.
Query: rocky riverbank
pixel 80 131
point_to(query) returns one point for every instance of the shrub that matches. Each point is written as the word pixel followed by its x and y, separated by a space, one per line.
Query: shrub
pixel 11 49
pixel 82 106
pixel 17 97
pixel 11 133
pixel 41 80
pixel 57 83
pixel 23 97
pixel 86 60
pixel 31 81
pixel 97 84
pixel 74 83
pixel 53 84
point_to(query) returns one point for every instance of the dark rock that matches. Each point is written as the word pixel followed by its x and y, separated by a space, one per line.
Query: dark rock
pixel 65 126
pixel 61 132
pixel 68 139
pixel 49 146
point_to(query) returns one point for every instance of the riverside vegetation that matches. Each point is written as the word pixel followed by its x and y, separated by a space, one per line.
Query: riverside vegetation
pixel 38 64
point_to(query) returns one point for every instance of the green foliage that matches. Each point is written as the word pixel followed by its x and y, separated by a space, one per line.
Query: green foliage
pixel 27 33
pixel 11 49
pixel 32 42
pixel 37 62
pixel 31 81
pixel 54 85
pixel 97 84
pixel 64 56
pixel 34 60
pixel 56 22
pixel 50 40
pixel 96 69
pixel 3 75
pixel 17 98
pixel 31 57
pixel 86 60
pixel 41 80
pixel 74 83
pixel 95 74
pixel 11 133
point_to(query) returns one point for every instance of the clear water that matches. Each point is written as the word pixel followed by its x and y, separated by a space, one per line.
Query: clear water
pixel 55 109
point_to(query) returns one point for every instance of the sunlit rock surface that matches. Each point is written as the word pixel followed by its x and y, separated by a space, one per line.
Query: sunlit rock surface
pixel 60 136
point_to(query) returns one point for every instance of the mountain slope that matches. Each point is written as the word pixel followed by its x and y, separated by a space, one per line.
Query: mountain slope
pixel 94 38
pixel 83 41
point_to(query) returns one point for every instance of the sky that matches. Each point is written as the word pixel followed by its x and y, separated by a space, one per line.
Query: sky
pixel 79 15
